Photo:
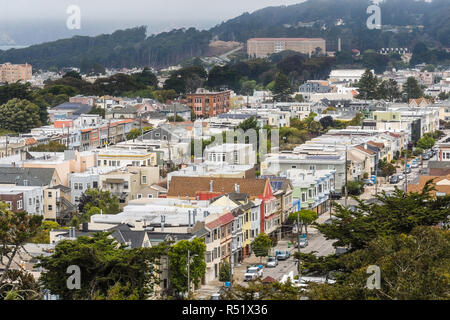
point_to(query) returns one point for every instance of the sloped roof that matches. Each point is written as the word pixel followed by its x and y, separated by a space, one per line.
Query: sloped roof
pixel 441 183
pixel 34 176
pixel 189 186
pixel 79 108
pixel 376 144
pixel 365 150
pixel 222 220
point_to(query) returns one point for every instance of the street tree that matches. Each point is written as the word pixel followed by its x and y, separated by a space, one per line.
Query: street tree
pixel 178 262
pixel 261 245
pixel 426 142
pixel 305 218
pixel 224 272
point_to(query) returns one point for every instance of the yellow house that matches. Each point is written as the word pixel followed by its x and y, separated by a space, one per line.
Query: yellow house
pixel 240 205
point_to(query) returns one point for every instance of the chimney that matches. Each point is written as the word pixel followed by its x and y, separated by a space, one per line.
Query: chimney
pixel 194 215
pixel 85 227
pixel 211 182
pixel 237 188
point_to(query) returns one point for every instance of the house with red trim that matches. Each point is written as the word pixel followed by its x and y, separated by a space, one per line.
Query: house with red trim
pixel 205 188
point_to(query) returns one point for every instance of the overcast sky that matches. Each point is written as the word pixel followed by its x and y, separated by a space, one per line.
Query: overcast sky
pixel 139 10
pixel 26 22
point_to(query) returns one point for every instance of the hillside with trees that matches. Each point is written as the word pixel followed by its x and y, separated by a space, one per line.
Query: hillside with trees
pixel 405 24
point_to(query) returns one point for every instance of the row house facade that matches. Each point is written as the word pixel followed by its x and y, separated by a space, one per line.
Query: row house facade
pixel 205 188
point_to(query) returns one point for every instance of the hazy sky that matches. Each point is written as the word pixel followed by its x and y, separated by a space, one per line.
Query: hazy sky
pixel 26 22
pixel 160 10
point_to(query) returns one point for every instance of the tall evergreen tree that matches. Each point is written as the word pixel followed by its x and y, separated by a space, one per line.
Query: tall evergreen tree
pixel 411 89
pixel 367 85
pixel 282 88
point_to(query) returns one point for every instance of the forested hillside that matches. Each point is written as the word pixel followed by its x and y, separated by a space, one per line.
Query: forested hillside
pixel 123 48
pixel 405 23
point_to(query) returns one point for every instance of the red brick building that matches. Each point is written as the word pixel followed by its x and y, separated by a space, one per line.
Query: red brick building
pixel 14 199
pixel 207 104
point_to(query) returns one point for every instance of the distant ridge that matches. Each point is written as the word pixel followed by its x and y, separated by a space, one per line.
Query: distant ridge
pixel 310 19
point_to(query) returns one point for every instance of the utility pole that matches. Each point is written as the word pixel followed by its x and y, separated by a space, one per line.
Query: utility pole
pixel 231 269
pixel 346 189
pixel 406 170
pixel 140 127
pixel 188 271
pixel 298 233
pixel 109 124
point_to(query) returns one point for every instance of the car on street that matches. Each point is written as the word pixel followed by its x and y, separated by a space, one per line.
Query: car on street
pixel 368 182
pixel 253 272
pixel 272 262
pixel 426 156
pixel 394 179
pixel 283 255
pixel 215 296
pixel 303 243
pixel 407 170
pixel 401 176
pixel 414 165
pixel 335 195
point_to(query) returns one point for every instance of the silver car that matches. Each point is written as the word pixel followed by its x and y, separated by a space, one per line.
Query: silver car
pixel 272 262
pixel 303 243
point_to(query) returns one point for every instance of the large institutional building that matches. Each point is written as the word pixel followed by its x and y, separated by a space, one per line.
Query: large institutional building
pixel 15 72
pixel 262 47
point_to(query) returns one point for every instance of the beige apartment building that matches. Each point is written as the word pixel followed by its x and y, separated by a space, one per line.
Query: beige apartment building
pixel 262 47
pixel 126 183
pixel 15 72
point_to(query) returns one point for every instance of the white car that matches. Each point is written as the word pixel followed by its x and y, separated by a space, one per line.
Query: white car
pixel 401 176
pixel 414 165
pixel 253 273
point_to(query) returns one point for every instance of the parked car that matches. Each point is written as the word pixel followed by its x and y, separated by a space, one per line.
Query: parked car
pixel 425 156
pixel 215 296
pixel 272 262
pixel 407 170
pixel 394 179
pixel 368 182
pixel 414 165
pixel 335 195
pixel 303 243
pixel 283 255
pixel 401 176
pixel 253 273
